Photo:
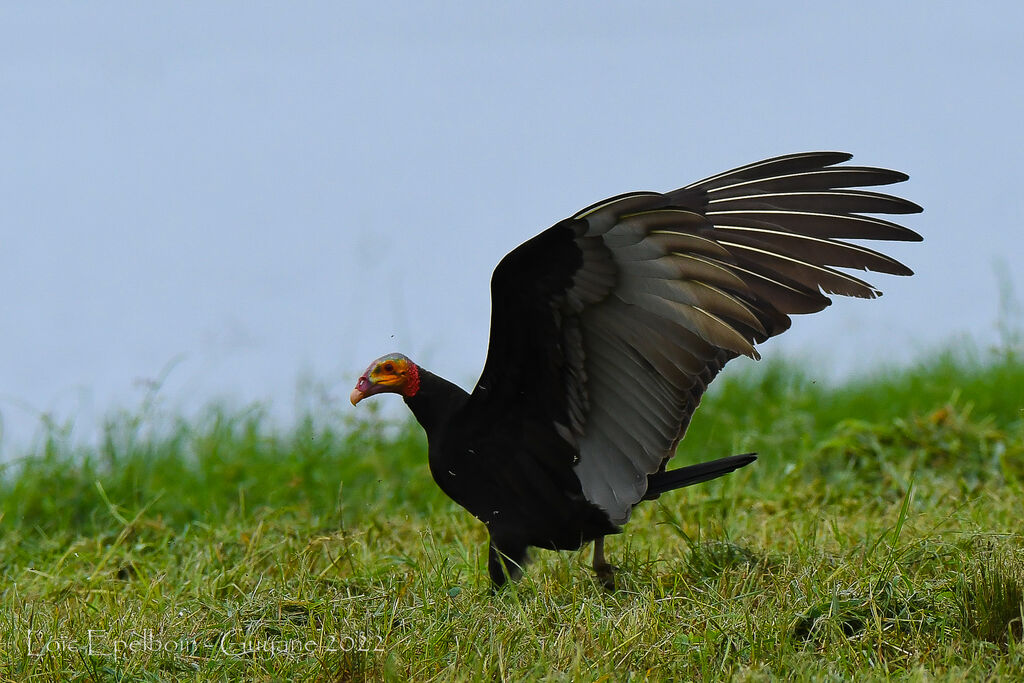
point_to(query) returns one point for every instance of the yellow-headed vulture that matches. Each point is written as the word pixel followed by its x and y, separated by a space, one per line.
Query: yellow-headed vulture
pixel 606 329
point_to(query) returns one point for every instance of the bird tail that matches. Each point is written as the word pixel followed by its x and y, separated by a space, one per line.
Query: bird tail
pixel 661 482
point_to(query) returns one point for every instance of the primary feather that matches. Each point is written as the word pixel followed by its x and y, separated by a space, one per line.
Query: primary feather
pixel 607 328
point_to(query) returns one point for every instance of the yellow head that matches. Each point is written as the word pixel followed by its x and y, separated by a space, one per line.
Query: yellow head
pixel 393 373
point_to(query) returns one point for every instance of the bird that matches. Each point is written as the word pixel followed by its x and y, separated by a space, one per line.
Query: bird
pixel 607 328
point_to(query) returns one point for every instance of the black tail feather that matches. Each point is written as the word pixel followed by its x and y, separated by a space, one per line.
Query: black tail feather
pixel 661 482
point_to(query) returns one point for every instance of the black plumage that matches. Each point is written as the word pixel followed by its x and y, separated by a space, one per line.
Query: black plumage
pixel 607 328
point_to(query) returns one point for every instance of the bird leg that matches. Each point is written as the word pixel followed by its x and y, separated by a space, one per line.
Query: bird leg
pixel 503 565
pixel 605 572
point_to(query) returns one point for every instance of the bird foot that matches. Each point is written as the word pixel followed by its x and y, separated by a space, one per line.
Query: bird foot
pixel 606 575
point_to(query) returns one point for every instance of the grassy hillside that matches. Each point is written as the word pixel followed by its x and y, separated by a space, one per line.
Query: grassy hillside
pixel 877 536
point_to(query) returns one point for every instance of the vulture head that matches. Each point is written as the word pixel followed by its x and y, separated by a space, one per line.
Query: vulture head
pixel 393 373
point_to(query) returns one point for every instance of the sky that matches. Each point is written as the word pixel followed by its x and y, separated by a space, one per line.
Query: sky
pixel 239 200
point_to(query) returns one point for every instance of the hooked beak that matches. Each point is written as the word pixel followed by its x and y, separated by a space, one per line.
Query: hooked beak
pixel 361 391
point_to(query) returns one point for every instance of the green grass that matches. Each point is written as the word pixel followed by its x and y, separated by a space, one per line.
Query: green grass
pixel 878 536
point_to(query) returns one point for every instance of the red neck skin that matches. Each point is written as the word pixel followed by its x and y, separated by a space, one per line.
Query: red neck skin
pixel 412 386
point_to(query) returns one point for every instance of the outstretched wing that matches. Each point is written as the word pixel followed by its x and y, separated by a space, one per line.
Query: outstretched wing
pixel 607 328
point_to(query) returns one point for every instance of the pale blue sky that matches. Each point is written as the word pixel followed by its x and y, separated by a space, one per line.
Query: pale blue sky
pixel 265 190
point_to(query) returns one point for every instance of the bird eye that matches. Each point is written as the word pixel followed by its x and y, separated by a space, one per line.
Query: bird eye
pixel 388 367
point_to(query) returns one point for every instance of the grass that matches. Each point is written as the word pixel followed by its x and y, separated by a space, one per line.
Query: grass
pixel 876 537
